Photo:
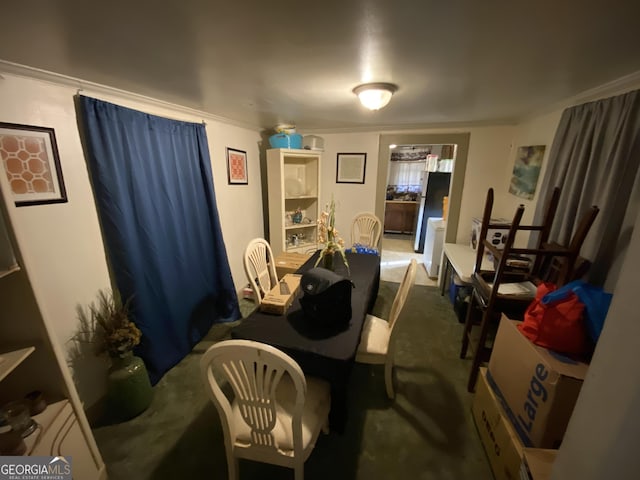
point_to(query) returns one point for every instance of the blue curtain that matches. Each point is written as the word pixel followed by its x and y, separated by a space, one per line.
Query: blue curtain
pixel 154 191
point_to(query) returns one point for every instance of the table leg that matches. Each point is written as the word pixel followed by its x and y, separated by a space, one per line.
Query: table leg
pixel 446 271
pixel 338 412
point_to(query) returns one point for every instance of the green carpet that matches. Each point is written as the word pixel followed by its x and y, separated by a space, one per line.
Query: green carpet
pixel 427 432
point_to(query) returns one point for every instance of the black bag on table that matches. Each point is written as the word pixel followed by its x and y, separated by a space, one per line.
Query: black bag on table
pixel 326 296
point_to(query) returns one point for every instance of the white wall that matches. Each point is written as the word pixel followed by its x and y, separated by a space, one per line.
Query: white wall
pixel 488 156
pixel 62 245
pixel 489 152
pixel 535 131
pixel 350 198
pixel 602 437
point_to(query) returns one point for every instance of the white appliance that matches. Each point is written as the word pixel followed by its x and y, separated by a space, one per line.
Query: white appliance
pixel 433 243
pixel 434 187
pixel 497 237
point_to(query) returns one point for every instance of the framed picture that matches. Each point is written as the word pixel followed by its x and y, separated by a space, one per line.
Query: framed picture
pixel 351 167
pixel 526 170
pixel 31 163
pixel 237 167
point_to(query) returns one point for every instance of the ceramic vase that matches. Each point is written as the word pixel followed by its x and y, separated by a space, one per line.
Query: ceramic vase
pixel 129 390
pixel 327 261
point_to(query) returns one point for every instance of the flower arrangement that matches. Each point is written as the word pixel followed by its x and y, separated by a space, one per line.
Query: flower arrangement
pixel 328 235
pixel 109 326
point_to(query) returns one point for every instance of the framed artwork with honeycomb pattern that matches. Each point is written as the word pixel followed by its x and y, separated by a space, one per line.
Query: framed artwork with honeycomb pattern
pixel 31 164
pixel 237 167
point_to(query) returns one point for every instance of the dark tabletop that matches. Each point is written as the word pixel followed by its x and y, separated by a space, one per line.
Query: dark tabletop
pixel 321 351
pixel 294 332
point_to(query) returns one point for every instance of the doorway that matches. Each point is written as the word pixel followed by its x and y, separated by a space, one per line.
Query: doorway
pixel 418 179
pixel 398 249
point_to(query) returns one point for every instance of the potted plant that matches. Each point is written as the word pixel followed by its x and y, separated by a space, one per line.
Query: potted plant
pixel 329 236
pixel 109 325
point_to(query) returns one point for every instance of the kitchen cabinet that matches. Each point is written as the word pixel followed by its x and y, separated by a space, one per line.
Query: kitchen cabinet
pixel 30 360
pixel 293 181
pixel 400 216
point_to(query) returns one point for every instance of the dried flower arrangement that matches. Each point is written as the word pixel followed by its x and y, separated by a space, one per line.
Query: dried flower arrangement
pixel 329 236
pixel 109 326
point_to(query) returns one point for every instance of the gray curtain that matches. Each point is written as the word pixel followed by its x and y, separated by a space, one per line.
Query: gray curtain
pixel 594 159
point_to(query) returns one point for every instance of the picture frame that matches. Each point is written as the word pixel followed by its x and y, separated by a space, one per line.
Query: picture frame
pixel 526 170
pixel 237 167
pixel 31 164
pixel 351 167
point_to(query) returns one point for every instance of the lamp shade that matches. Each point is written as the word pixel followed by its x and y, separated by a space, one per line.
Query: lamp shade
pixel 374 96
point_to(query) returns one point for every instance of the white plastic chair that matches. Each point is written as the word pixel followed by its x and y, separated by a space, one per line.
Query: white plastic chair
pixel 276 414
pixel 376 342
pixel 366 229
pixel 260 268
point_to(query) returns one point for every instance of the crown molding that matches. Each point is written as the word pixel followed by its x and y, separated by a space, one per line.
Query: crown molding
pixel 87 87
pixel 615 87
pixel 416 128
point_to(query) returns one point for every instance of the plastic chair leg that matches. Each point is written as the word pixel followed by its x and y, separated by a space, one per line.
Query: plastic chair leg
pixel 388 378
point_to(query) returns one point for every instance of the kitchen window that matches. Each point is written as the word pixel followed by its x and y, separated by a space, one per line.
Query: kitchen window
pixel 405 173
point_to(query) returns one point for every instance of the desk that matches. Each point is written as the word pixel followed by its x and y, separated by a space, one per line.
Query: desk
pixel 320 352
pixel 463 260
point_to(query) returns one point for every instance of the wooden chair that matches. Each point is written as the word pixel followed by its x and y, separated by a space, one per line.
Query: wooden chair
pixel 376 341
pixel 366 229
pixel 260 269
pixel 489 300
pixel 276 414
pixel 564 264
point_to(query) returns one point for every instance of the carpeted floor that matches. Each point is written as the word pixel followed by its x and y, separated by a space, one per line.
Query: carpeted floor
pixel 427 432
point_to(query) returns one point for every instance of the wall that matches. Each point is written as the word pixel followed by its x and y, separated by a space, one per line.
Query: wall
pixel 489 152
pixel 62 245
pixel 602 437
pixel 487 159
pixel 539 130
pixel 350 198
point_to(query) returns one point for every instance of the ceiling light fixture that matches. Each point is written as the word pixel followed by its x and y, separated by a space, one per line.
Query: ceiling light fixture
pixel 374 96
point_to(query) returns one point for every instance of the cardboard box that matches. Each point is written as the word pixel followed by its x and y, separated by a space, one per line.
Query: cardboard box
pixel 537 463
pixel 278 303
pixel 497 237
pixel 538 388
pixel 289 263
pixel 499 439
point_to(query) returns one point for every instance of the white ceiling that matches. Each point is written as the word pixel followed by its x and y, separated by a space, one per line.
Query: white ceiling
pixel 262 63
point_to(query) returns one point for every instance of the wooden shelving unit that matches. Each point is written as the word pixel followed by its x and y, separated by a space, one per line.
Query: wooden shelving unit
pixel 10 360
pixel 294 183
pixel 30 360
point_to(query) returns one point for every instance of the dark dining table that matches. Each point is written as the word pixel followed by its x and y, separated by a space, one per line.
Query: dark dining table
pixel 322 350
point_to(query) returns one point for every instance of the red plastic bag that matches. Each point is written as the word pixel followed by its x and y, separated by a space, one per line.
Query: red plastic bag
pixel 558 325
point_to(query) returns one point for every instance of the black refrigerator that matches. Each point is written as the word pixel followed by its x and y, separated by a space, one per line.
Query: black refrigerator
pixel 434 187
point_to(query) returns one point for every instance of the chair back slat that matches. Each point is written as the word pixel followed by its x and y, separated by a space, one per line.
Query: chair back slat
pixel 403 291
pixel 259 267
pixel 366 230
pixel 254 375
